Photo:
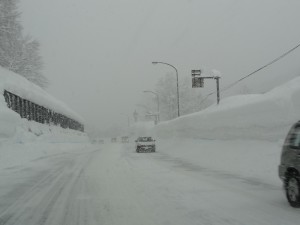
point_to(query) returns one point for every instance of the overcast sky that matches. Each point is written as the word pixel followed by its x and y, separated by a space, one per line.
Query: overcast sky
pixel 98 53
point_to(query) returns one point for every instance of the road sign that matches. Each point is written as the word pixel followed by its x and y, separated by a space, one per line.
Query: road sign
pixel 197 82
pixel 196 73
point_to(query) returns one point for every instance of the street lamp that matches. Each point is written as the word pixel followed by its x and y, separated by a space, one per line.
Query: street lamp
pixel 154 63
pixel 157 98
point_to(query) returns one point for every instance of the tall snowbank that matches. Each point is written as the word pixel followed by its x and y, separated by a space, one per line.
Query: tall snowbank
pixel 31 131
pixel 16 130
pixel 8 120
pixel 261 116
pixel 20 86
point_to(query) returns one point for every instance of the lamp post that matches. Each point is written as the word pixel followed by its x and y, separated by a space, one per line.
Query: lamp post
pixel 154 63
pixel 157 98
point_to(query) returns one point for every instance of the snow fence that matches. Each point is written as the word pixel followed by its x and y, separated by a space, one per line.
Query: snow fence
pixel 23 99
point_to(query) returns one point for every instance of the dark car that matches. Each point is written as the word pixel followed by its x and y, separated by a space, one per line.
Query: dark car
pixel 289 168
pixel 145 144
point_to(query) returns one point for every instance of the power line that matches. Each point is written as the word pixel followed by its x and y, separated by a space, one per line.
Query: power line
pixel 252 73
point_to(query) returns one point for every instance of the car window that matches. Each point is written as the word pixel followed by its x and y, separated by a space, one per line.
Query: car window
pixel 144 139
pixel 294 139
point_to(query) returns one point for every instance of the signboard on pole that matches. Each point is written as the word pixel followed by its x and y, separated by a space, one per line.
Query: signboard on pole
pixel 197 81
pixel 196 72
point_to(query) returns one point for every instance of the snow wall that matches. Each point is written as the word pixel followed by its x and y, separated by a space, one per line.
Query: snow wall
pixel 21 130
pixel 266 116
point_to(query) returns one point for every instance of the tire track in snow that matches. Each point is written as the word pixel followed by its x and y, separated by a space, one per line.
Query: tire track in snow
pixel 40 202
pixel 189 166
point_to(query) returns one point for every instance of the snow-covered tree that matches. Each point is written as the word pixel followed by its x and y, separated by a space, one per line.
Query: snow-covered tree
pixel 10 32
pixel 8 18
pixel 166 89
pixel 18 53
pixel 30 63
pixel 189 98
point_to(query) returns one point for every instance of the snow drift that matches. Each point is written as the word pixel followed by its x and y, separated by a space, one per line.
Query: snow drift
pixel 258 116
pixel 22 130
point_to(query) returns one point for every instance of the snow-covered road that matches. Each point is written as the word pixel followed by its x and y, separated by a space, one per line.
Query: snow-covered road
pixel 111 184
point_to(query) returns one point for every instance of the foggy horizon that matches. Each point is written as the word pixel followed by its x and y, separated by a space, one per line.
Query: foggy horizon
pixel 98 54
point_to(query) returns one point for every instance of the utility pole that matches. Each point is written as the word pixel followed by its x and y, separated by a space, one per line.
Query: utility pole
pixel 218 89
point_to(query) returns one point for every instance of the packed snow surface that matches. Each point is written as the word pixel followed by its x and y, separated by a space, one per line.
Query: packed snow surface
pixel 184 182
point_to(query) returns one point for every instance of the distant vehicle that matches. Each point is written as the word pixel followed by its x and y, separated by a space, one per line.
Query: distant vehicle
pixel 125 139
pixel 145 144
pixel 289 168
pixel 101 141
pixel 113 140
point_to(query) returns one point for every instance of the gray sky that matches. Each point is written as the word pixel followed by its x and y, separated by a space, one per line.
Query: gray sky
pixel 98 53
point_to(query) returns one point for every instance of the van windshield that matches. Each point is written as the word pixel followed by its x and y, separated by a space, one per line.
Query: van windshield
pixel 144 139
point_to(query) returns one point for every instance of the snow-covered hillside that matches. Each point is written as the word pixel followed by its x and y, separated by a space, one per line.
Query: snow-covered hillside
pixel 11 124
pixel 21 140
pixel 261 116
